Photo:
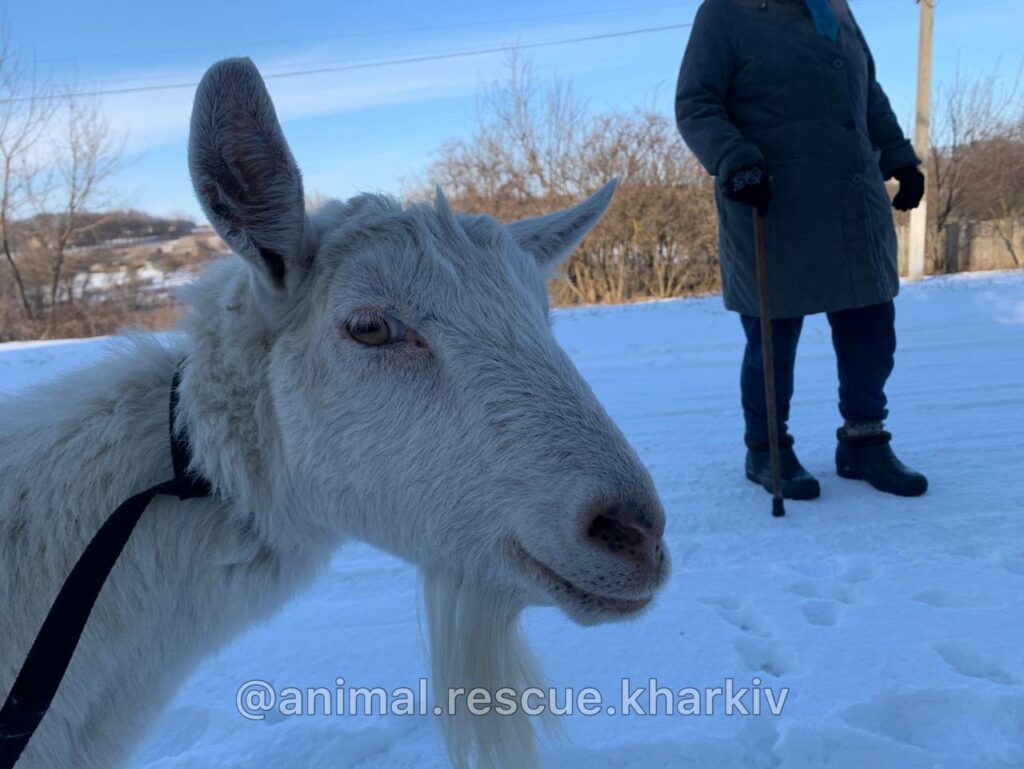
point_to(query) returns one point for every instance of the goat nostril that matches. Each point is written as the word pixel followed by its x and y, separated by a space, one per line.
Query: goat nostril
pixel 614 535
pixel 629 529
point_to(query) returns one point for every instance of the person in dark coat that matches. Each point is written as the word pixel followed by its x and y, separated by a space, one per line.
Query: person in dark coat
pixel 778 100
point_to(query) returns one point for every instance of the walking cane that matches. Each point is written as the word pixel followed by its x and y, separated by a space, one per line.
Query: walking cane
pixel 767 353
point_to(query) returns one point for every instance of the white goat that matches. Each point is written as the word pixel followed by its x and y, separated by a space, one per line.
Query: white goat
pixel 366 371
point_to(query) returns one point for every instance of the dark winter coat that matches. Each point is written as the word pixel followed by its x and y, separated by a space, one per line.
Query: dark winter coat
pixel 759 84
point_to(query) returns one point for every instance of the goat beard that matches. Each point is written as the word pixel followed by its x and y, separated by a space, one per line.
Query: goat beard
pixel 476 643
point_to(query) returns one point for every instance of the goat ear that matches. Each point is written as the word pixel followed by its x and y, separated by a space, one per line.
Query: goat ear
pixel 244 174
pixel 553 237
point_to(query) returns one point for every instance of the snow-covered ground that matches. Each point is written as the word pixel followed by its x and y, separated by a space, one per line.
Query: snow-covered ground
pixel 896 625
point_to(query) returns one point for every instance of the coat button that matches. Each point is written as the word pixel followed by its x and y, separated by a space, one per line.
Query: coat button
pixel 838 64
pixel 856 178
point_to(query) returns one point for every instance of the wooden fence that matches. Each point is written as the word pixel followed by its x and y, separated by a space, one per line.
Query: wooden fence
pixel 970 246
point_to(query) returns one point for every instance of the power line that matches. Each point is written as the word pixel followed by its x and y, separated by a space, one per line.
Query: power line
pixel 355 65
pixel 367 33
pixel 344 67
pixel 104 86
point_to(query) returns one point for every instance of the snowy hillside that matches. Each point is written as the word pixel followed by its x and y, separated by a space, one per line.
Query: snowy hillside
pixel 896 625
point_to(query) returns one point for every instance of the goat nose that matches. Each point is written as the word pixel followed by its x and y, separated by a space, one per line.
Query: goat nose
pixel 631 535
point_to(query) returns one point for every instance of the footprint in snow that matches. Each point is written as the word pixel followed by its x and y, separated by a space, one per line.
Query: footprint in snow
pixel 745 620
pixel 849 572
pixel 821 613
pixel 943 599
pixel 934 720
pixel 822 590
pixel 858 569
pixel 974 664
pixel 762 655
pixel 728 602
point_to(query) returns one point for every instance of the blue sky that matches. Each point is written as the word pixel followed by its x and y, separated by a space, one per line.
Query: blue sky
pixel 370 129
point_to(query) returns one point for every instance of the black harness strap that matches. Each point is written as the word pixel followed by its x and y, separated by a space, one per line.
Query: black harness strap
pixel 51 652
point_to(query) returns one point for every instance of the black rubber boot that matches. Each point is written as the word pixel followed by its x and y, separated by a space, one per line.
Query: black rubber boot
pixel 870 458
pixel 797 483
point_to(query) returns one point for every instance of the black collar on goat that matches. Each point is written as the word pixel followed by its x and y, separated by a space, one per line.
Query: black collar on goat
pixel 48 659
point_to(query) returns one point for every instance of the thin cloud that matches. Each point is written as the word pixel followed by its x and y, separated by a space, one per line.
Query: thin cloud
pixel 157 118
pixel 154 119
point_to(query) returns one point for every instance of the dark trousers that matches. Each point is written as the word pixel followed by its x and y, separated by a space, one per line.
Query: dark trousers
pixel 865 343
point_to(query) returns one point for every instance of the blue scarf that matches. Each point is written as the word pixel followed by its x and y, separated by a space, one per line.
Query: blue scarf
pixel 825 20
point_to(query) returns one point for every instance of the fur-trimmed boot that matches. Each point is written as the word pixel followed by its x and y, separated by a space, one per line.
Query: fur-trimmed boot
pixel 863 453
pixel 797 483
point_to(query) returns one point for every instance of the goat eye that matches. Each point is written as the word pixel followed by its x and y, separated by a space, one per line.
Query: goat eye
pixel 375 330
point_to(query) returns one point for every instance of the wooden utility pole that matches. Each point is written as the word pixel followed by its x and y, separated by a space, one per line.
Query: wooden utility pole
pixel 919 216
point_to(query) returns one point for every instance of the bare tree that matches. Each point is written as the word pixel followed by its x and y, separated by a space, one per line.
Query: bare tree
pixel 26 107
pixel 1007 207
pixel 977 163
pixel 518 154
pixel 537 147
pixel 85 153
pixel 57 154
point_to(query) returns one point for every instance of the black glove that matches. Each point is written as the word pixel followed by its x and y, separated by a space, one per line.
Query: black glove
pixel 751 185
pixel 911 188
